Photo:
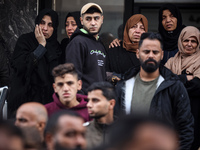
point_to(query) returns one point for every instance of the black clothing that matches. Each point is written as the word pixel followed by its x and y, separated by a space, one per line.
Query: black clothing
pixel 97 134
pixel 119 60
pixel 4 67
pixel 88 56
pixel 170 39
pixel 63 45
pixel 193 89
pixel 170 102
pixel 32 65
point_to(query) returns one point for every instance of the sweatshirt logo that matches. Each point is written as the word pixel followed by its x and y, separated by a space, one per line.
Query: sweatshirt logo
pixel 97 52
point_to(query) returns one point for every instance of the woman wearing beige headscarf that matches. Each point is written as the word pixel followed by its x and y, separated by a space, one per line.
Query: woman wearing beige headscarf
pixel 186 64
pixel 121 58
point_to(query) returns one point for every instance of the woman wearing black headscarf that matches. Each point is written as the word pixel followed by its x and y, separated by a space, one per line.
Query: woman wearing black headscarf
pixel 72 21
pixel 170 27
pixel 35 55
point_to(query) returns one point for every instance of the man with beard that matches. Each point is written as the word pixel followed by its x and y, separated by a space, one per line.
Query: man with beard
pixel 152 89
pixel 65 131
pixel 101 102
pixel 85 50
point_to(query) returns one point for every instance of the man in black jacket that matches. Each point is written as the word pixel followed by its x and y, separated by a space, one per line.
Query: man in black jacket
pixel 84 50
pixel 153 89
pixel 101 102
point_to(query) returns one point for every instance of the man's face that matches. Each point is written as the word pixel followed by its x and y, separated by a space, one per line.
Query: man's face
pixel 92 22
pixel 46 26
pixel 150 54
pixel 136 31
pixel 70 26
pixel 70 133
pixel 66 87
pixel 98 106
pixel 26 118
pixel 169 22
pixel 153 137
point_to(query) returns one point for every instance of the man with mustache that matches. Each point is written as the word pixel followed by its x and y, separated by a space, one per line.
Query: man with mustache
pixel 65 131
pixel 152 89
pixel 85 50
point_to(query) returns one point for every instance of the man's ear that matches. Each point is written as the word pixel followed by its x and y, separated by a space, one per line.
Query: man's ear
pixel 54 87
pixel 49 141
pixel 137 53
pixel 112 103
pixel 80 84
pixel 162 53
pixel 81 19
pixel 102 19
pixel 41 126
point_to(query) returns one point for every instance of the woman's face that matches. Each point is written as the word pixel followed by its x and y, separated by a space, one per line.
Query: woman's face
pixel 70 26
pixel 190 45
pixel 136 31
pixel 169 22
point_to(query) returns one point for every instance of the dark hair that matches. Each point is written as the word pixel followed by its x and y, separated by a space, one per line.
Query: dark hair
pixel 128 125
pixel 151 36
pixel 61 70
pixel 52 123
pixel 92 10
pixel 106 88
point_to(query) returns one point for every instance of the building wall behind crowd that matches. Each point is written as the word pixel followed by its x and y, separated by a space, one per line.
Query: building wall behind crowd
pixel 17 17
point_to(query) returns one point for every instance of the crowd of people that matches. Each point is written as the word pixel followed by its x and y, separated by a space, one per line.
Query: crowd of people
pixel 140 93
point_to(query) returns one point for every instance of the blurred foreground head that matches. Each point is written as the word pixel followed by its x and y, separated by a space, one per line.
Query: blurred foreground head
pixel 65 131
pixel 11 137
pixel 32 114
pixel 142 133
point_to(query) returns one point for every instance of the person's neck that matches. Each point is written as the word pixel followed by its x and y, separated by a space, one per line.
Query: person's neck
pixel 107 119
pixel 71 104
pixel 145 76
pixel 96 36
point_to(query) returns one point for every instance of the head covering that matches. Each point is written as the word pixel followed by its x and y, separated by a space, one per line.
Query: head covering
pixel 90 5
pixel 127 43
pixel 76 15
pixel 54 18
pixel 170 38
pixel 182 61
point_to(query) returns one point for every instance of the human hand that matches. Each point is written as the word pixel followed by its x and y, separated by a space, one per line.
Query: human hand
pixel 39 36
pixel 189 77
pixel 115 43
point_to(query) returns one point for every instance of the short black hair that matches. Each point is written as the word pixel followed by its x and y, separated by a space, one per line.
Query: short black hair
pixel 52 123
pixel 106 88
pixel 151 36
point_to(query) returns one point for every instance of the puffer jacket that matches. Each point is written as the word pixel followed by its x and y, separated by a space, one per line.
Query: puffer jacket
pixel 170 102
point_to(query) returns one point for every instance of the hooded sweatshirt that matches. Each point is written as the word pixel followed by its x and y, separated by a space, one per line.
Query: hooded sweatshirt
pixel 88 56
pixel 81 108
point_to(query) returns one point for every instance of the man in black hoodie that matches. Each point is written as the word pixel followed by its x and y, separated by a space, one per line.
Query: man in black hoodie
pixel 35 55
pixel 85 51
